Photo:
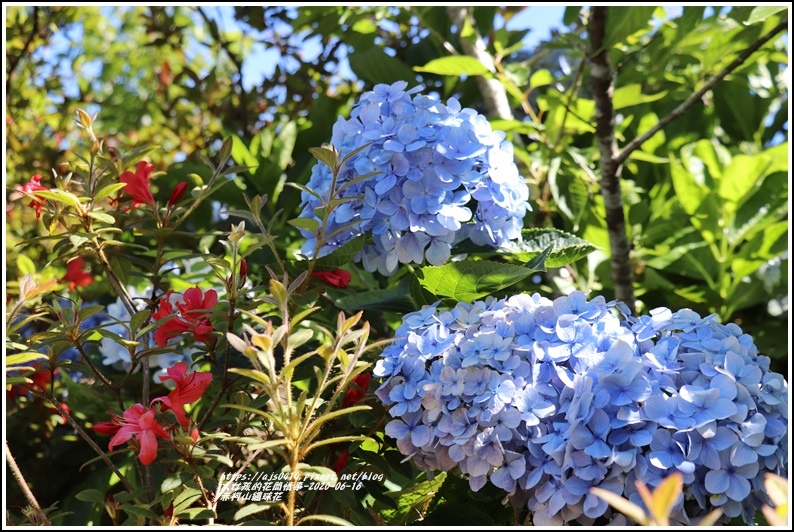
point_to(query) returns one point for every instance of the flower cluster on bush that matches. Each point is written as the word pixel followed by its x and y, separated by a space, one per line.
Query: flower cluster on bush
pixel 438 174
pixel 143 424
pixel 550 398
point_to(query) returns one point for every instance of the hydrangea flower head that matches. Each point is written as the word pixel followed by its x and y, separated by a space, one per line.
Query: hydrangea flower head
pixel 551 398
pixel 440 175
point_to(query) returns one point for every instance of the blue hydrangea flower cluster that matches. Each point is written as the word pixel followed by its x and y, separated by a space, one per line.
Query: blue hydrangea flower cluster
pixel 442 175
pixel 547 399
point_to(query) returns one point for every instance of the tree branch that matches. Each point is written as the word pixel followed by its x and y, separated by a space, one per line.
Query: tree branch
pixel 689 102
pixel 13 61
pixel 493 92
pixel 601 80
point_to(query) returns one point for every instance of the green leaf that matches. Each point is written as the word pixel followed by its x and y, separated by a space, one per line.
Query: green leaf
pixel 689 192
pixel 25 265
pixel 414 501
pixel 251 509
pixel 309 224
pixel 94 496
pixel 326 519
pixel 375 66
pixel 629 95
pixel 171 483
pixel 395 299
pixel 471 280
pixel 132 509
pixel 22 358
pixel 540 78
pixel 565 247
pixel 325 155
pixel 108 190
pixel 102 217
pixel 571 15
pixel 185 499
pixel 454 65
pixel 319 474
pixel 61 196
pixel 341 256
pixel 761 13
pixel 625 21
pixel 195 514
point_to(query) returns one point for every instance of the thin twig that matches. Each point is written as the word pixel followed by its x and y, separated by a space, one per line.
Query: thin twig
pixel 23 485
pixel 689 102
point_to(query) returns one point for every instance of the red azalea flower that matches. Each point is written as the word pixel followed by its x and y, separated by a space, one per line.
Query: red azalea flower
pixel 191 317
pixel 341 462
pixel 337 278
pixel 76 275
pixel 138 184
pixel 30 187
pixel 189 388
pixel 177 193
pixel 139 422
pixel 355 394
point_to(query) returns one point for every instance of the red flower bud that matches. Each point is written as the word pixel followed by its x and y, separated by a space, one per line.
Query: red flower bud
pixel 177 194
pixel 337 278
pixel 243 268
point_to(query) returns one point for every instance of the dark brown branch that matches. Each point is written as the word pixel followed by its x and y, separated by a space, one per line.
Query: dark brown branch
pixel 602 81
pixel 689 102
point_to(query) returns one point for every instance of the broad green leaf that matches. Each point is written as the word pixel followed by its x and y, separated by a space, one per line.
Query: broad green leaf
pixel 61 196
pixel 185 499
pixel 25 265
pixel 454 65
pixel 565 247
pixel 375 66
pixel 196 513
pixel 102 217
pixel 171 483
pixel 629 95
pixel 251 509
pixel 540 78
pixel 325 155
pixel 761 13
pixel 689 192
pixel 470 280
pixel 138 318
pixel 309 224
pixel 746 172
pixel 133 509
pixel 91 495
pixel 624 21
pixel 108 190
